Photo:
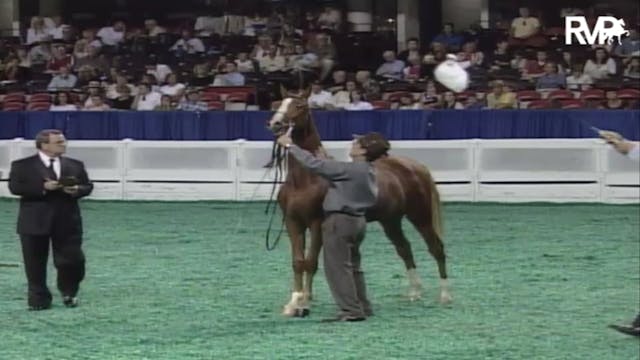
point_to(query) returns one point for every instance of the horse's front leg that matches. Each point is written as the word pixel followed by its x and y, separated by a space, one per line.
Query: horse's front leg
pixel 312 259
pixel 295 306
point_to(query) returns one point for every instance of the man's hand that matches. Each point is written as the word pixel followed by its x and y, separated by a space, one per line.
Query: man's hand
pixel 617 141
pixel 284 140
pixel 71 190
pixel 51 185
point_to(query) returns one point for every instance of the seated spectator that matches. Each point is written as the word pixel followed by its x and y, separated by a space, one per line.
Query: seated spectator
pixel 254 24
pixel 500 59
pixel 188 44
pixel 56 28
pixel 61 103
pixel 629 46
pixel 231 77
pixel 193 102
pixel 330 19
pixel 357 102
pixel 600 66
pixel 413 71
pixel 613 102
pixel 325 50
pixel 408 103
pixel 89 38
pixel 343 97
pixel 430 98
pixel 271 62
pixel 535 68
pixel 244 64
pixel 449 101
pixel 632 71
pixel 124 100
pixel 433 58
pixel 473 103
pixel 166 104
pixel 471 58
pixel 449 38
pixel 551 78
pixel 59 59
pixel 525 30
pixel 391 68
pixel 113 36
pixel 152 28
pixel 413 49
pixel 97 104
pixel 578 80
pixel 338 81
pixel 37 32
pixel 319 98
pixel 146 99
pixel 92 89
pixel 201 75
pixel 501 98
pixel 264 44
pixel 121 86
pixel 172 87
pixel 566 63
pixel 41 54
pixel 302 60
pixel 63 81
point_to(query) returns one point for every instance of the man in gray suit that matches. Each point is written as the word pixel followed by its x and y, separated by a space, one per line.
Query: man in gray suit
pixel 631 150
pixel 352 191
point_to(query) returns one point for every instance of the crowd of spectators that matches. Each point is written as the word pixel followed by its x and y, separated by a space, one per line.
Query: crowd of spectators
pixel 56 66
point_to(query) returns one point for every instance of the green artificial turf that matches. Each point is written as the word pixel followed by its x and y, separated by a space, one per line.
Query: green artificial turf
pixel 194 281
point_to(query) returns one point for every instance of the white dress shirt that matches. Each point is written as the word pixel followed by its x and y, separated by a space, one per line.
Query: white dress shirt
pixel 46 161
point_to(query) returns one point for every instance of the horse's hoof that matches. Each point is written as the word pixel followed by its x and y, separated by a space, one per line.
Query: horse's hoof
pixel 415 295
pixel 446 299
pixel 302 313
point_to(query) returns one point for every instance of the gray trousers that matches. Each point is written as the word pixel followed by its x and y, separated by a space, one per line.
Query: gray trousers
pixel 342 235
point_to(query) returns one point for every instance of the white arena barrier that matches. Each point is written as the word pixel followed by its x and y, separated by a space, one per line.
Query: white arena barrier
pixel 510 170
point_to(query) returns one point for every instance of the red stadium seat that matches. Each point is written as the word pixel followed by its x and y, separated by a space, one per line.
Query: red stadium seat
pixel 396 96
pixel 215 105
pixel 592 94
pixel 40 97
pixel 528 95
pixel 238 97
pixel 39 106
pixel 210 96
pixel 629 94
pixel 572 104
pixel 14 97
pixel 381 104
pixel 560 95
pixel 13 106
pixel 539 104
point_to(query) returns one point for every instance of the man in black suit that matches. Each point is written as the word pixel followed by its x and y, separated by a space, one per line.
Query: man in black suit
pixel 49 187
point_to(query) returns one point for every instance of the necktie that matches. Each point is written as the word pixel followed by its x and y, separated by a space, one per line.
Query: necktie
pixel 52 172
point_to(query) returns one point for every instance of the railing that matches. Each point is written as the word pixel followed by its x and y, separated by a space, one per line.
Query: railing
pixel 553 170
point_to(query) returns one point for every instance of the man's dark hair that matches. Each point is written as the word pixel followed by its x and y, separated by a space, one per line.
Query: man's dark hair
pixel 43 136
pixel 375 144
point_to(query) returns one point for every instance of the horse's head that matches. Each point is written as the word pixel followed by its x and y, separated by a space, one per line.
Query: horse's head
pixel 293 112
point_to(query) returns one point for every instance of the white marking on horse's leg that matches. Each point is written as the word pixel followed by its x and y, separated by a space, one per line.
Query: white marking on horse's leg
pixel 294 304
pixel 306 290
pixel 445 296
pixel 415 285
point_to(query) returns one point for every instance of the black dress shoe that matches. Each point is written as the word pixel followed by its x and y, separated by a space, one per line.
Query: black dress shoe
pixel 343 318
pixel 627 329
pixel 70 301
pixel 39 307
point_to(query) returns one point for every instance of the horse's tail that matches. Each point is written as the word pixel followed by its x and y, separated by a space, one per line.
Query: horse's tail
pixel 429 184
pixel 436 216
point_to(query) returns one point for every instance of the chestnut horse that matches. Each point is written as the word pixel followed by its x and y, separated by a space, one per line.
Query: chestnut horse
pixel 406 188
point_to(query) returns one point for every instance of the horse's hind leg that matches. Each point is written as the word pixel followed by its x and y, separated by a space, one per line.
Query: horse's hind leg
pixel 393 230
pixel 435 245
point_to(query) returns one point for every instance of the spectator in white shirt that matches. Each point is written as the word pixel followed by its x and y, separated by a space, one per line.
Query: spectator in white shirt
pixel 113 35
pixel 343 97
pixel 114 91
pixel 319 98
pixel 37 32
pixel 146 100
pixel 244 64
pixel 271 61
pixel 189 44
pixel 600 66
pixel 525 26
pixel 578 80
pixel 357 102
pixel 55 27
pixel 172 87
pixel 391 68
pixel 152 28
pixel 97 104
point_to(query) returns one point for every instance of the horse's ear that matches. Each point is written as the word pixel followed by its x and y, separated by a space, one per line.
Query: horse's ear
pixel 283 92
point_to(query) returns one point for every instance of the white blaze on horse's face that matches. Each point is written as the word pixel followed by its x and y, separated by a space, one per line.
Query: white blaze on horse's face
pixel 280 114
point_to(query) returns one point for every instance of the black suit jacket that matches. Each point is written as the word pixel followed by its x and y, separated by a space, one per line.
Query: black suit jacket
pixel 39 208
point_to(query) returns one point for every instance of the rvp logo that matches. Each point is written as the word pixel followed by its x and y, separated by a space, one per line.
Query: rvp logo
pixel 606 30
